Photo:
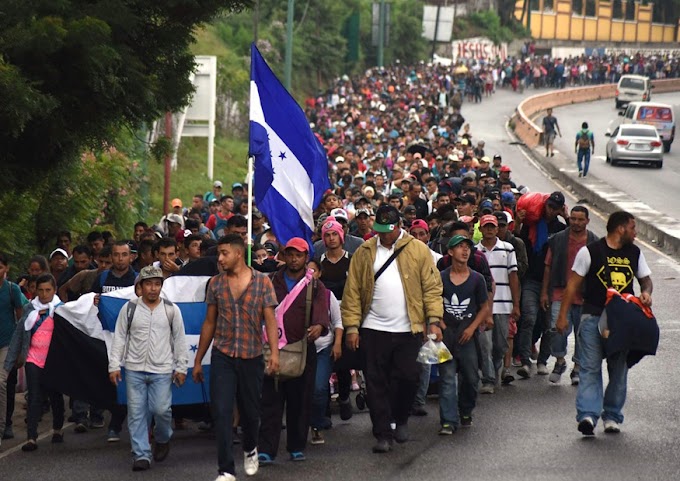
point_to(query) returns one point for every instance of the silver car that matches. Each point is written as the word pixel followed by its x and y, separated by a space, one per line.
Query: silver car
pixel 638 143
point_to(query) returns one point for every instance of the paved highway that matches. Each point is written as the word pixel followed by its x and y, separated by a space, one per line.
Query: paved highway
pixel 658 188
pixel 524 432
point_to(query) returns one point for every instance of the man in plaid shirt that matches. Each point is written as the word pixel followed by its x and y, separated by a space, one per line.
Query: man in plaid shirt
pixel 238 300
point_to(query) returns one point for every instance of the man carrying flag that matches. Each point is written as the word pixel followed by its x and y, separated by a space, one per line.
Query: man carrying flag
pixel 291 169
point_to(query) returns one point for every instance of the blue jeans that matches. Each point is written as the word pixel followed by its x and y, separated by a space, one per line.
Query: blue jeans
pixel 423 385
pixel 454 400
pixel 486 354
pixel 324 369
pixel 558 346
pixel 583 154
pixel 149 397
pixel 531 295
pixel 589 397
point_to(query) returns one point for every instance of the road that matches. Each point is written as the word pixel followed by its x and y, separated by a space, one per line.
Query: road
pixel 656 187
pixel 524 432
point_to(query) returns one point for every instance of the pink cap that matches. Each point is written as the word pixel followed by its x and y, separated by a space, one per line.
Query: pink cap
pixel 332 225
pixel 419 223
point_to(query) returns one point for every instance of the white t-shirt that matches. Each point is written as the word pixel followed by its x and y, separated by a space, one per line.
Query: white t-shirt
pixel 336 323
pixel 388 310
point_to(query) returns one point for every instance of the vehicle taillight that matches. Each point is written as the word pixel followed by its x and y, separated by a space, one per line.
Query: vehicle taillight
pixel 617 92
pixel 644 96
pixel 655 143
pixel 622 142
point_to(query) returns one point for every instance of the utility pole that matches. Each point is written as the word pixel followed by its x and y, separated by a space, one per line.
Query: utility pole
pixel 381 34
pixel 288 66
pixel 168 161
pixel 256 20
pixel 436 31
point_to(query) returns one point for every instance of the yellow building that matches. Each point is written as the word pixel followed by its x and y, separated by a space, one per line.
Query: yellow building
pixel 594 20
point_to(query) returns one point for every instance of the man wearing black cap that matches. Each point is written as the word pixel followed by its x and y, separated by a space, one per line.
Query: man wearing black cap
pixel 391 298
pixel 548 225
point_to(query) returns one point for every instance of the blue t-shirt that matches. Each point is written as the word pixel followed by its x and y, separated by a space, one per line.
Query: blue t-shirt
pixel 11 298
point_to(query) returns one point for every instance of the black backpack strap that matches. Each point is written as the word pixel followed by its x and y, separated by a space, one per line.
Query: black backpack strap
pixel 131 307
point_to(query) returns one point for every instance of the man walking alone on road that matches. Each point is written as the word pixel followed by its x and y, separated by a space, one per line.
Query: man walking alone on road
pixel 595 265
pixel 584 145
pixel 393 293
pixel 550 130
pixel 238 300
pixel 149 341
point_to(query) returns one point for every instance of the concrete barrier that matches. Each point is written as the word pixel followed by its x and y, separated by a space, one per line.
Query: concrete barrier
pixel 531 134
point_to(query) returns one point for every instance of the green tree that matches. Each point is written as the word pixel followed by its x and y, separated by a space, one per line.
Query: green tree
pixel 73 72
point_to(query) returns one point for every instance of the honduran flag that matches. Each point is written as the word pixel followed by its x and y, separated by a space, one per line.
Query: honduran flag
pixel 77 362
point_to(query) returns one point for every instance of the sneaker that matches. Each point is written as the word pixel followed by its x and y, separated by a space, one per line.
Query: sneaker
pixel 486 389
pixel 580 173
pixel 141 465
pixel 97 424
pixel 587 426
pixel 113 436
pixel 8 434
pixel 542 369
pixel 611 426
pixel 401 433
pixel 317 437
pixel 251 463
pixel 355 386
pixel 205 426
pixel 57 438
pixel 557 372
pixel 225 477
pixel 418 410
pixel 264 459
pixel 516 362
pixel 30 445
pixel 297 456
pixel 446 430
pixel 345 410
pixel 524 371
pixel 466 421
pixel 161 451
pixel 507 377
pixel 575 378
pixel 80 428
pixel 382 446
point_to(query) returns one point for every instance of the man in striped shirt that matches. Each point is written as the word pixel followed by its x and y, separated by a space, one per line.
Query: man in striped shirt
pixel 503 265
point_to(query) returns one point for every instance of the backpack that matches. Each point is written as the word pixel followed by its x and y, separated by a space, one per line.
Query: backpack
pixel 584 140
pixel 169 312
pixel 220 226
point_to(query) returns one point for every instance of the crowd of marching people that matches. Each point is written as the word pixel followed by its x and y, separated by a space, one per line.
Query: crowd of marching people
pixel 424 233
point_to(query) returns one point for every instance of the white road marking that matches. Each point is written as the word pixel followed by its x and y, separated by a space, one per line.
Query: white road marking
pixel 40 438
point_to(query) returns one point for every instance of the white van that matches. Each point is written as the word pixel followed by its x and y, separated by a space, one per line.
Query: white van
pixel 660 116
pixel 632 88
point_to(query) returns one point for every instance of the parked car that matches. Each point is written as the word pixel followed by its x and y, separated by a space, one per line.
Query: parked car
pixel 632 88
pixel 639 143
pixel 659 115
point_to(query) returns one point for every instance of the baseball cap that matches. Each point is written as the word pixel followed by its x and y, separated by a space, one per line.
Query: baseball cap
pixel 217 183
pixel 497 156
pixel 467 219
pixel 297 243
pixel 507 198
pixel 363 211
pixel 271 248
pixel 556 200
pixel 484 175
pixel 215 201
pixel 181 235
pixel 150 272
pixel 256 213
pixel 58 250
pixel 488 219
pixel 176 218
pixel 467 199
pixel 485 160
pixel 501 218
pixel 419 223
pixel 471 174
pixel 340 213
pixel 486 204
pixel 386 219
pixel 410 208
pixel 457 239
pixel 506 168
pixel 236 185
pixel 176 202
pixel 339 159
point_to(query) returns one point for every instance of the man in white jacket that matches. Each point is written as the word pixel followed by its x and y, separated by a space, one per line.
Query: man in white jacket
pixel 149 341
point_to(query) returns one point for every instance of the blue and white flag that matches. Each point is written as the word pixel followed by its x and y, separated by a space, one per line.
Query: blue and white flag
pixel 291 169
pixel 78 360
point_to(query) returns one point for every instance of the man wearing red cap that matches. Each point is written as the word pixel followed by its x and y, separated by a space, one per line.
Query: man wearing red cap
pixel 421 231
pixel 295 394
pixel 504 176
pixel 503 264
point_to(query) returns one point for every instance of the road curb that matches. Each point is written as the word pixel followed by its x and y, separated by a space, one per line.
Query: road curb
pixel 660 229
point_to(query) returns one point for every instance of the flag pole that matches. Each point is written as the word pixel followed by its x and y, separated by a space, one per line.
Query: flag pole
pixel 250 208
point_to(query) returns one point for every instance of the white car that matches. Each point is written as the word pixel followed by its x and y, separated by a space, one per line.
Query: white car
pixel 639 143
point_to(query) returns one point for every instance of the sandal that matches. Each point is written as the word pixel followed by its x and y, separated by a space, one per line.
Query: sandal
pixel 265 459
pixel 297 456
